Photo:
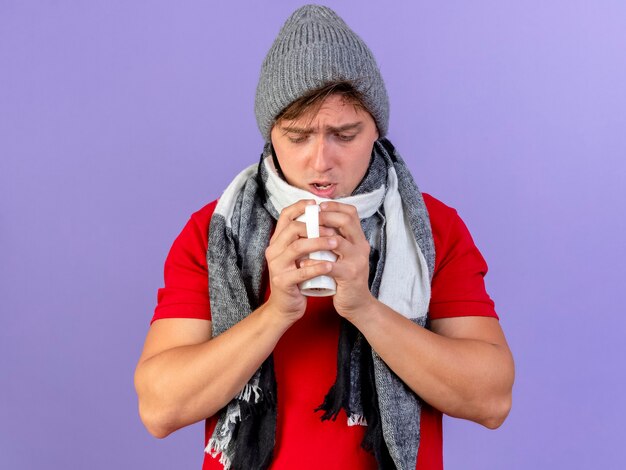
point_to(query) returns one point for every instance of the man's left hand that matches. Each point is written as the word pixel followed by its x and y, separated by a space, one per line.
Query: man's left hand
pixel 351 270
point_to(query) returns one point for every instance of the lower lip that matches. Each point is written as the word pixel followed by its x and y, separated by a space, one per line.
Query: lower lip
pixel 326 192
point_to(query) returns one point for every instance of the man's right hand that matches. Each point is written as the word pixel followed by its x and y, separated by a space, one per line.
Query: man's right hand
pixel 184 375
pixel 288 246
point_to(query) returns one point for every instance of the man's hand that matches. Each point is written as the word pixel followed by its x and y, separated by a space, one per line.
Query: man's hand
pixel 351 270
pixel 184 375
pixel 288 246
pixel 465 368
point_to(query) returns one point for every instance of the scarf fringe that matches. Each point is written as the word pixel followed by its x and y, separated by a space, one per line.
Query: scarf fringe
pixel 231 417
pixel 213 448
pixel 222 436
pixel 247 391
pixel 357 420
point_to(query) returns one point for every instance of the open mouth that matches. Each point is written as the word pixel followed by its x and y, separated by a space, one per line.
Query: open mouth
pixel 323 189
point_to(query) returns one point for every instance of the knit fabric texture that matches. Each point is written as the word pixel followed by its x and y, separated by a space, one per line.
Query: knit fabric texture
pixel 369 392
pixel 315 47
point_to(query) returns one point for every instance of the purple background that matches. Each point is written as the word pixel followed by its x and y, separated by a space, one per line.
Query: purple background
pixel 119 119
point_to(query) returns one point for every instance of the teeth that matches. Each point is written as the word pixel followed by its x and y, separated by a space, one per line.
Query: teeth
pixel 319 186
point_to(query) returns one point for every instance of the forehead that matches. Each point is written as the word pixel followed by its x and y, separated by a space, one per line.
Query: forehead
pixel 335 110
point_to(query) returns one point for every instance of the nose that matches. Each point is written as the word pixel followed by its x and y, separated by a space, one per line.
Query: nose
pixel 321 158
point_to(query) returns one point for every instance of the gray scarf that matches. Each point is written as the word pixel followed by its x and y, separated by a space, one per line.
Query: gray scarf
pixel 400 275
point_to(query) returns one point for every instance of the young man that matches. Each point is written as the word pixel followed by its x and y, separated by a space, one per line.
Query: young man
pixel 355 380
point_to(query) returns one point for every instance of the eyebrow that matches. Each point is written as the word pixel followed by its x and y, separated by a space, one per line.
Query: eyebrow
pixel 310 130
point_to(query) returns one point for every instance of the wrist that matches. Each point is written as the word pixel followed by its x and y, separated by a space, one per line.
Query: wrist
pixel 362 313
pixel 275 317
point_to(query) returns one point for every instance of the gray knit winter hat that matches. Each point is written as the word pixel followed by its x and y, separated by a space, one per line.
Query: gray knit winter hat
pixel 314 47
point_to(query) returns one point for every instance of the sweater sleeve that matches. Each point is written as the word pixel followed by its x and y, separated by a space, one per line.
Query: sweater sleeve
pixel 186 290
pixel 458 286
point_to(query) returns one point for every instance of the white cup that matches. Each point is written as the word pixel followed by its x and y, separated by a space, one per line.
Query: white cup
pixel 320 286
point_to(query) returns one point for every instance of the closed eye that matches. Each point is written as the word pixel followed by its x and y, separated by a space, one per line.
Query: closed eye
pixel 345 137
pixel 298 138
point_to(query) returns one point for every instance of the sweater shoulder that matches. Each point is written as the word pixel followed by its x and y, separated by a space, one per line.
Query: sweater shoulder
pixel 440 213
pixel 202 217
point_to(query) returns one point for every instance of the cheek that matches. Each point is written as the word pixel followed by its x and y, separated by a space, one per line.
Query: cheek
pixel 359 166
pixel 291 164
pixel 363 164
pixel 291 170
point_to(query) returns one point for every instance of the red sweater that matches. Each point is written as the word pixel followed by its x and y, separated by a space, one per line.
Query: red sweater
pixel 305 357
